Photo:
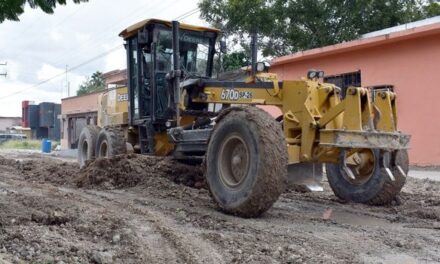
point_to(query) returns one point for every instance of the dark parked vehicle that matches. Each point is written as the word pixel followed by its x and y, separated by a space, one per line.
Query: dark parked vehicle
pixel 7 137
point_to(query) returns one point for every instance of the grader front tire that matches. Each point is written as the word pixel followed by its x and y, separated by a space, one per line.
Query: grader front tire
pixel 376 189
pixel 246 162
pixel 391 188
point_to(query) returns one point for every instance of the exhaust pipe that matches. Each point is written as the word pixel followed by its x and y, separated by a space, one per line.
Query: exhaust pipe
pixel 254 54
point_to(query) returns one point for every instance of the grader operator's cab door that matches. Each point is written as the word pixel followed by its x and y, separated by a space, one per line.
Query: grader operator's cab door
pixel 139 80
pixel 150 59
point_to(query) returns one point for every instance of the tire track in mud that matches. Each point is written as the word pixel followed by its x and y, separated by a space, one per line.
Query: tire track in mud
pixel 156 234
pixel 189 248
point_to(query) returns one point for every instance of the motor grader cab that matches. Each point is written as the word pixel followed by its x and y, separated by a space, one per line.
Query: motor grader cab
pixel 175 107
pixel 154 68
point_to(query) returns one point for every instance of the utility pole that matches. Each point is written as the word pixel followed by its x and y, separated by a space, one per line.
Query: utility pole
pixel 5 73
pixel 67 81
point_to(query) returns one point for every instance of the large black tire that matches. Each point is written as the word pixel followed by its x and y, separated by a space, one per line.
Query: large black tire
pixel 391 189
pixel 86 144
pixel 111 142
pixel 379 189
pixel 246 161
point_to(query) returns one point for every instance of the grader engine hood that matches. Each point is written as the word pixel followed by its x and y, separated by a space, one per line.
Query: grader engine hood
pixel 113 107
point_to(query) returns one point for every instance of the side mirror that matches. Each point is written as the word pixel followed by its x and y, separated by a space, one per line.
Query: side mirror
pixel 223 47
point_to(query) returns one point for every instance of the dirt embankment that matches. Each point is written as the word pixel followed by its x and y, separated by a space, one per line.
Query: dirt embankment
pixel 131 170
pixel 122 171
pixel 137 209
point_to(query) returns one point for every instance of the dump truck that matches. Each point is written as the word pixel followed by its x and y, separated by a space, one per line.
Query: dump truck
pixel 174 107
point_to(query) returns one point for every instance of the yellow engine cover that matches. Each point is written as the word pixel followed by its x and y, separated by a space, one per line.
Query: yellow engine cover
pixel 113 107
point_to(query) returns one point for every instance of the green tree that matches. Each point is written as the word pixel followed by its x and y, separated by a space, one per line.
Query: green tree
pixel 235 60
pixel 287 26
pixel 12 9
pixel 92 84
pixel 432 9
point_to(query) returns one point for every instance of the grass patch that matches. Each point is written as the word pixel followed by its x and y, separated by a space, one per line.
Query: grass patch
pixel 21 144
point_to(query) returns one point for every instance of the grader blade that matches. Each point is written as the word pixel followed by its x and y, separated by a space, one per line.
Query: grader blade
pixel 305 177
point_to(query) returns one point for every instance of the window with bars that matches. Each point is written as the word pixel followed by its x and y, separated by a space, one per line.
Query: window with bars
pixel 345 80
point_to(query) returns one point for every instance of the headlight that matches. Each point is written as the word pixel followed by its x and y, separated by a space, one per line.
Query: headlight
pixel 314 74
pixel 311 74
pixel 261 67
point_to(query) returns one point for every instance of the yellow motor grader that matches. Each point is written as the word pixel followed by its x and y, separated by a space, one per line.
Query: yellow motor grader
pixel 173 107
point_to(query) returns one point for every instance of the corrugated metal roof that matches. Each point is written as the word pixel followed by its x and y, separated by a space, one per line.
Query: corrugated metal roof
pixel 416 24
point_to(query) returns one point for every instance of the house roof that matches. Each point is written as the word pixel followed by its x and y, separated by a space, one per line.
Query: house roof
pixel 366 42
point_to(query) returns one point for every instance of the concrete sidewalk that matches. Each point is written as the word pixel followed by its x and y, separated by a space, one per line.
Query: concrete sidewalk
pixel 425 174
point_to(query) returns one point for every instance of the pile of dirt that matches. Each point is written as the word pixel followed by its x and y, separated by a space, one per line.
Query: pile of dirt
pixel 43 170
pixel 57 172
pixel 119 172
pixel 130 170
pixel 7 162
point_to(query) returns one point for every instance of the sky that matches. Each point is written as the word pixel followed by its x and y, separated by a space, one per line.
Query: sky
pixel 40 46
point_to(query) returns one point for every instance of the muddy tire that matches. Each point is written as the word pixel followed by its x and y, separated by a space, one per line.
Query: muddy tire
pixel 86 144
pixel 110 142
pixel 378 189
pixel 391 189
pixel 246 161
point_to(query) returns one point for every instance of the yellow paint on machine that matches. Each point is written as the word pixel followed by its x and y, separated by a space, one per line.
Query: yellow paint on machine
pixel 113 107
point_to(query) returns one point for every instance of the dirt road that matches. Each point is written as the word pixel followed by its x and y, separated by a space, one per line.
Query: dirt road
pixel 149 210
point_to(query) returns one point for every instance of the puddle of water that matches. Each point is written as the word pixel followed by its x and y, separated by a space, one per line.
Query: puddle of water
pixel 344 217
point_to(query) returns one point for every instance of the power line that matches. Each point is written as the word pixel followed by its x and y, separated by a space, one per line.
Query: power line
pixel 193 13
pixel 96 41
pixel 64 72
pixel 189 13
pixel 6 73
pixel 183 16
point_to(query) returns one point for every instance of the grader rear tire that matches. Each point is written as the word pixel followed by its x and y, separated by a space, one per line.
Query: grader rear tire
pixel 374 186
pixel 86 144
pixel 110 142
pixel 246 161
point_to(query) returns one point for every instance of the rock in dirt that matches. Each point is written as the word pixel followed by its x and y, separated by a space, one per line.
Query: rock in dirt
pixel 116 238
pixel 100 257
pixel 52 218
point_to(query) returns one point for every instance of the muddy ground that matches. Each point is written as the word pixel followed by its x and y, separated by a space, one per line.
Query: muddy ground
pixel 136 209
